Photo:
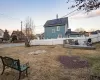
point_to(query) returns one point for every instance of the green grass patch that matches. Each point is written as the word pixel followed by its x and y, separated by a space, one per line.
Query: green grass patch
pixel 94 62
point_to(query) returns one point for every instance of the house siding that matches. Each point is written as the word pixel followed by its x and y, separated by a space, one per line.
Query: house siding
pixel 49 35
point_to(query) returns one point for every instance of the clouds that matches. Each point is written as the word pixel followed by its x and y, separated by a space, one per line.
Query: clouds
pixel 97 13
pixel 81 15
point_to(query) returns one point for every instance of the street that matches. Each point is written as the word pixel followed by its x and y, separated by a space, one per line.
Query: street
pixel 11 45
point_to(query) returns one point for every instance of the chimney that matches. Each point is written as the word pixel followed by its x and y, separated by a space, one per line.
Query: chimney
pixel 57 16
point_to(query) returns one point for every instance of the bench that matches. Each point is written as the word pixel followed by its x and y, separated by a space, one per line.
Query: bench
pixel 14 64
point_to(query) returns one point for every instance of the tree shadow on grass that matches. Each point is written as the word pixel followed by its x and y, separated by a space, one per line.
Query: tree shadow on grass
pixel 73 62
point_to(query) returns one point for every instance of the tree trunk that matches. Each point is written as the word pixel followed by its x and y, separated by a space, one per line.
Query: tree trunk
pixel 27 42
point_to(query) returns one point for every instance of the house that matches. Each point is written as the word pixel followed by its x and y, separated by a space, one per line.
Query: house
pixel 18 34
pixel 56 28
pixel 70 33
pixel 1 34
pixel 40 36
pixel 95 32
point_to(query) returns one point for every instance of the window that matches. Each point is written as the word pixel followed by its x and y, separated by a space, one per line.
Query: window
pixel 58 28
pixel 53 30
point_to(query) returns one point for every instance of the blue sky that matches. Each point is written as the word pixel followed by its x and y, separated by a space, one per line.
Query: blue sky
pixel 41 11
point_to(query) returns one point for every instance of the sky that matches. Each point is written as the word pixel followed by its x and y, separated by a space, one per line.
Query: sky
pixel 12 12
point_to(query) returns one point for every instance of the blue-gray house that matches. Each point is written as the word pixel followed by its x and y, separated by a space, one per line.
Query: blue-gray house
pixel 56 28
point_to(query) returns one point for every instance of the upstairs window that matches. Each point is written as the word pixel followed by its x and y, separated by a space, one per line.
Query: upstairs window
pixel 58 28
pixel 53 30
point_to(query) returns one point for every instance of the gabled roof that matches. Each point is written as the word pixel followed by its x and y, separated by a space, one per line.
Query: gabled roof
pixel 56 22
pixel 18 33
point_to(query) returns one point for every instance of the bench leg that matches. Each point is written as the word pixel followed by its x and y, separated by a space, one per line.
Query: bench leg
pixel 26 73
pixel 3 70
pixel 19 75
pixel 94 77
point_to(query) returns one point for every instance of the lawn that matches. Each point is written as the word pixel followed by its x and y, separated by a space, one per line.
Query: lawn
pixel 46 65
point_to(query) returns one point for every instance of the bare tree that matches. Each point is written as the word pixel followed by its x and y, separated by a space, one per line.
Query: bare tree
pixel 91 30
pixel 29 30
pixel 79 30
pixel 31 36
pixel 86 5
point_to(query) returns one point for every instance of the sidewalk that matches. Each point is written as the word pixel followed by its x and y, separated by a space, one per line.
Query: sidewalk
pixel 11 45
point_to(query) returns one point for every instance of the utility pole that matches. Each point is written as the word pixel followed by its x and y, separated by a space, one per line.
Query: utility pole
pixel 21 29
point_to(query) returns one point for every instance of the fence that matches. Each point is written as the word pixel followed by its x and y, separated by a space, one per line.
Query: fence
pixel 81 40
pixel 47 41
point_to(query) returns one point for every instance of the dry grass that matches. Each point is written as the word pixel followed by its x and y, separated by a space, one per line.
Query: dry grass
pixel 45 66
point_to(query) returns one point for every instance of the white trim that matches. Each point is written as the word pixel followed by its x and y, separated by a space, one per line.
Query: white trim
pixel 66 28
pixel 58 28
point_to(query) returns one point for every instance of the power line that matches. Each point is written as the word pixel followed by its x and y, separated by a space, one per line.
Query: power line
pixel 69 13
pixel 9 17
pixel 62 16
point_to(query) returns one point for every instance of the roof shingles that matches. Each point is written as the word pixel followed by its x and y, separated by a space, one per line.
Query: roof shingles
pixel 56 22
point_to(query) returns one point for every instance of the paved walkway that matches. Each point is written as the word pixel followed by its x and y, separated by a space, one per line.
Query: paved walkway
pixel 11 45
